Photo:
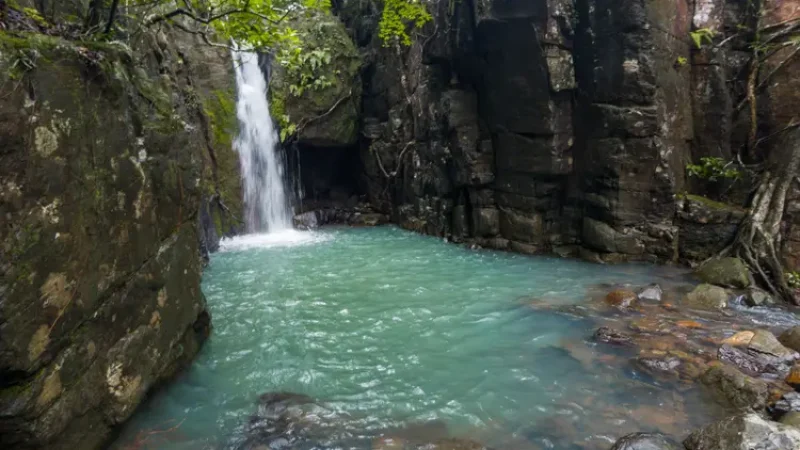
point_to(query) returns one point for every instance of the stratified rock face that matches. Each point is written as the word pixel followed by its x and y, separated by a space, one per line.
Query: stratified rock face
pixel 103 167
pixel 561 126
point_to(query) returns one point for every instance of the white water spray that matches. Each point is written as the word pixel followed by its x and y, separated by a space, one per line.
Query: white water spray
pixel 266 205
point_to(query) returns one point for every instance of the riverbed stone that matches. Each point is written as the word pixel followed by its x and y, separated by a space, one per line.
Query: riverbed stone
pixel 739 339
pixel 651 293
pixel 765 342
pixel 788 403
pixel 791 338
pixel 793 379
pixel 645 441
pixel 611 336
pixel 744 432
pixel 727 272
pixel 706 297
pixel 731 386
pixel 622 298
pixel 757 297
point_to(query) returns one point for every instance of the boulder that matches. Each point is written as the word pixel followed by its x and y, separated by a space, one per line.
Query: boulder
pixel 762 354
pixel 765 342
pixel 757 297
pixel 652 293
pixel 736 389
pixel 645 441
pixel 706 297
pixel 622 298
pixel 791 338
pixel 727 272
pixel 744 432
pixel 612 336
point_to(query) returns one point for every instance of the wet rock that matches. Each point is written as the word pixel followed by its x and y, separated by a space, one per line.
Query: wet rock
pixel 791 419
pixel 739 339
pixel 793 379
pixel 731 386
pixel 754 361
pixel 744 432
pixel 728 272
pixel 757 297
pixel 368 220
pixel 788 403
pixel 765 342
pixel 651 293
pixel 791 338
pixel 282 420
pixel 306 221
pixel 622 298
pixel 689 324
pixel 706 297
pixel 656 365
pixel 612 336
pixel 645 441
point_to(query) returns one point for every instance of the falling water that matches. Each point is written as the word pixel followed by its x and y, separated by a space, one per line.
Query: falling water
pixel 266 204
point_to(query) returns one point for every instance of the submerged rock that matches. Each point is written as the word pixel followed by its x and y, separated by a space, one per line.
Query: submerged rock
pixel 612 336
pixel 731 386
pixel 728 272
pixel 744 432
pixel 622 298
pixel 657 365
pixel 706 297
pixel 645 441
pixel 651 293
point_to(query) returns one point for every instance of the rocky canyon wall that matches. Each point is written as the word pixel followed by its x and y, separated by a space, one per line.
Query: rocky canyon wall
pixel 566 126
pixel 115 161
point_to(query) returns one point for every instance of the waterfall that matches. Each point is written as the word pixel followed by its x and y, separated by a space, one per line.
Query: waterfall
pixel 263 175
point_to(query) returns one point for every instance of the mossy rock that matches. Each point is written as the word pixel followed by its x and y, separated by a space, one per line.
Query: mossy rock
pixel 727 272
pixel 326 116
pixel 706 297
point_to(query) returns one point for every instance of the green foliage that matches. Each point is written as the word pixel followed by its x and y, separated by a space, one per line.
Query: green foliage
pixel 713 169
pixel 681 61
pixel 34 14
pixel 793 279
pixel 398 16
pixel 700 35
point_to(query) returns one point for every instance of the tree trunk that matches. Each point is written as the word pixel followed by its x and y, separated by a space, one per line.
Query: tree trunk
pixel 758 240
pixel 93 17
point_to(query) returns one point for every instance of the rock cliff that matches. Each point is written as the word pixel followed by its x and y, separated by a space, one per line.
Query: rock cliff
pixel 111 154
pixel 567 126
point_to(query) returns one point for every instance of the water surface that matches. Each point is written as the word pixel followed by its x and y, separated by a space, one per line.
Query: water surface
pixel 389 328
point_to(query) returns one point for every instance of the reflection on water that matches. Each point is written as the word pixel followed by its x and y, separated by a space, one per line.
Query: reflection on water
pixel 388 330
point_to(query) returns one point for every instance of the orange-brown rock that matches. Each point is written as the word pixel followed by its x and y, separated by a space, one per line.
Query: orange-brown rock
pixel 793 379
pixel 622 298
pixel 689 324
pixel 739 339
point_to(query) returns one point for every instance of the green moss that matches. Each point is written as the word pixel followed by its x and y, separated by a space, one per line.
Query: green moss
pixel 220 109
pixel 708 202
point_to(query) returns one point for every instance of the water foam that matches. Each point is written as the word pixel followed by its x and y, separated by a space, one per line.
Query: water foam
pixel 282 238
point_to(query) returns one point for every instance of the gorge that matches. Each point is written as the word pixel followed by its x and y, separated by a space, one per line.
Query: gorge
pixel 151 177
